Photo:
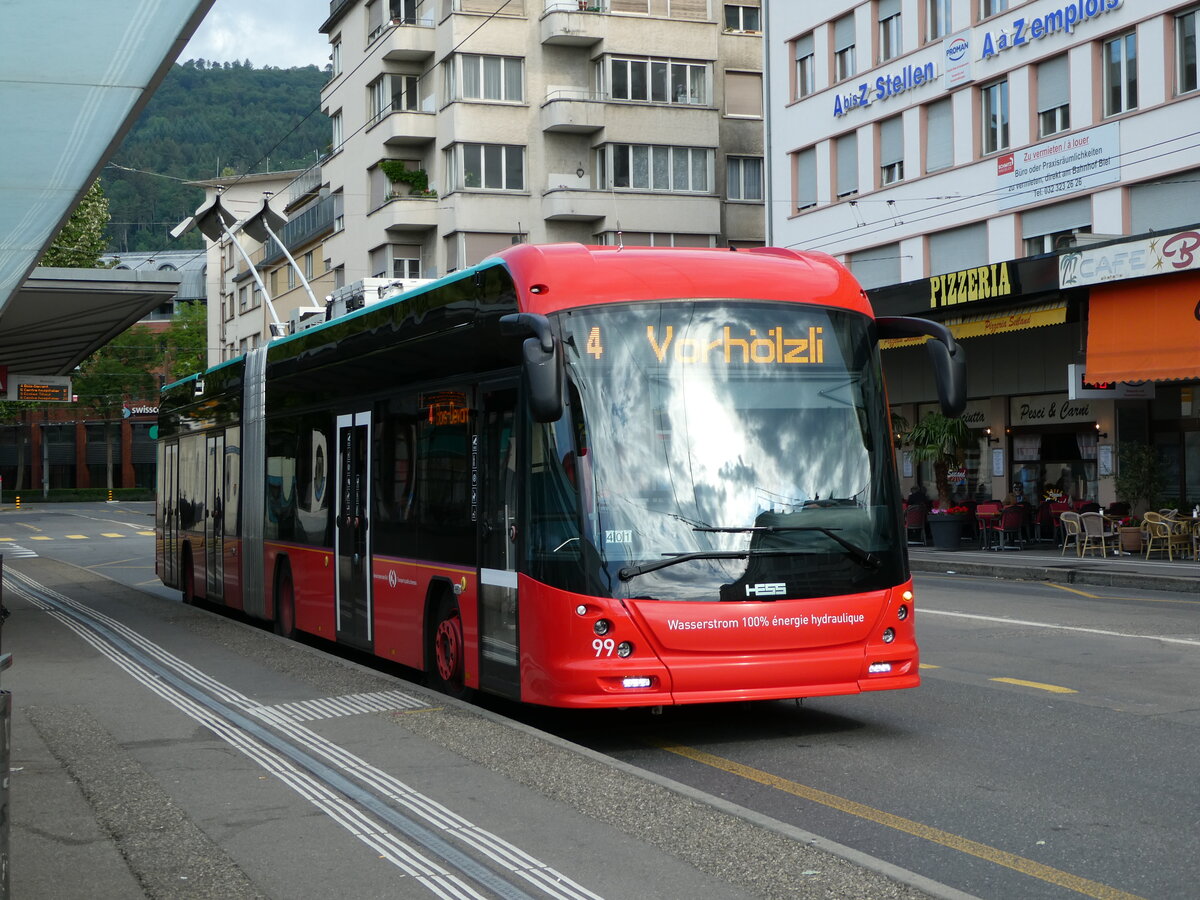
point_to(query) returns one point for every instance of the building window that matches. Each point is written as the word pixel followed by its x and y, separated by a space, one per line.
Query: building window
pixel 1120 74
pixel 806 67
pixel 308 265
pixel 891 150
pixel 995 116
pixel 1186 50
pixel 843 48
pixel 1059 240
pixel 742 18
pixel 291 277
pixel 744 94
pixel 403 267
pixel 804 174
pixel 491 167
pixel 335 123
pixel 937 19
pixel 657 168
pixel 658 81
pixel 1053 96
pixel 846 151
pixel 243 298
pixel 888 12
pixel 404 12
pixel 744 177
pixel 991 8
pixel 496 78
pixel 939 135
pixel 335 57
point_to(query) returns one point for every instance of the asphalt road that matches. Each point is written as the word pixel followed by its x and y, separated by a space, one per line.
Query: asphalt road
pixel 1050 752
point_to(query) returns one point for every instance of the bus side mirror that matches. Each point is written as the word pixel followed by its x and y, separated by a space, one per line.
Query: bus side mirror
pixel 947 357
pixel 540 363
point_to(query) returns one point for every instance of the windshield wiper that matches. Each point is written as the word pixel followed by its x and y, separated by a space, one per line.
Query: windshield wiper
pixel 857 553
pixel 625 573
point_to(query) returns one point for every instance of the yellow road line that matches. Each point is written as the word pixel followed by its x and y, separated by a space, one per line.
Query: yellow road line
pixel 936 835
pixel 146 533
pixel 929 666
pixel 27 525
pixel 1052 688
pixel 41 537
pixel 76 537
pixel 111 534
pixel 1063 587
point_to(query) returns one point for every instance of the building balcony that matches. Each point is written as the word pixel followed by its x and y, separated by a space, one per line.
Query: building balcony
pixel 405 41
pixel 643 211
pixel 574 23
pixel 405 128
pixel 573 111
pixel 692 125
pixel 405 213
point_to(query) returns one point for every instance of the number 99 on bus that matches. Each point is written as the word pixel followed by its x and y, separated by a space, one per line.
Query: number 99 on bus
pixel 604 647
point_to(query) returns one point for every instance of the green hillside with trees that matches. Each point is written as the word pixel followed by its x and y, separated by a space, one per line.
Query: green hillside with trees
pixel 208 119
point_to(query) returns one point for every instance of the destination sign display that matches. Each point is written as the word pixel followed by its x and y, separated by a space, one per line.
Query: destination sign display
pixel 39 388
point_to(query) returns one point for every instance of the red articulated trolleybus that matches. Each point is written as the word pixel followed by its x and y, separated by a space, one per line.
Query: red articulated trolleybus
pixel 572 476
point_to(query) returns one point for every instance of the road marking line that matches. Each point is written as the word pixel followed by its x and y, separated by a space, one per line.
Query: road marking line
pixel 929 666
pixel 1053 688
pixel 1063 587
pixel 27 525
pixel 111 534
pixel 76 537
pixel 146 533
pixel 948 839
pixel 1000 620
pixel 41 537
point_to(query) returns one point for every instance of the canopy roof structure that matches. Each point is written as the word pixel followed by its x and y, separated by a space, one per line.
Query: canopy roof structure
pixel 74 76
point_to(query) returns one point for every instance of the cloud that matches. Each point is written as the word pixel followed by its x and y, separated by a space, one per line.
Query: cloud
pixel 267 32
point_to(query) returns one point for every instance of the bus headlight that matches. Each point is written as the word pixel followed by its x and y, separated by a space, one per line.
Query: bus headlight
pixel 602 627
pixel 902 612
pixel 889 635
pixel 624 649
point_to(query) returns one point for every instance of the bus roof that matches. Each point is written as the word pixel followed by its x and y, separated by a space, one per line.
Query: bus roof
pixel 551 277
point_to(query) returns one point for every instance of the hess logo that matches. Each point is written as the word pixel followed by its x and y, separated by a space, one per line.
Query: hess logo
pixel 766 589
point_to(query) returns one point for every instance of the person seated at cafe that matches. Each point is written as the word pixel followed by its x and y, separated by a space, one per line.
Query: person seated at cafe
pixel 917 496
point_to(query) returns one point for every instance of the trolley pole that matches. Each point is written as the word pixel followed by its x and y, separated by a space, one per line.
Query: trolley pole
pixel 5 752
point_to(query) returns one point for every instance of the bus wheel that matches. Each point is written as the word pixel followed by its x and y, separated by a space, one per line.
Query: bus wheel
pixel 449 650
pixel 189 578
pixel 285 604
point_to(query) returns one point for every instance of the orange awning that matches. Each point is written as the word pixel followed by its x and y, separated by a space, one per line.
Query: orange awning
pixel 1144 330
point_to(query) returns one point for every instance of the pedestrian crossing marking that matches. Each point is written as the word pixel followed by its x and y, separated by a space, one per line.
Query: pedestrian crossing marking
pixel 15 551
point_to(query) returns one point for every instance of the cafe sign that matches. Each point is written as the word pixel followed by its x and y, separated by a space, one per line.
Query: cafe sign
pixel 1050 409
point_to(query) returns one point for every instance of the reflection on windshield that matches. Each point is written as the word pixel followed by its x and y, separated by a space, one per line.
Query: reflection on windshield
pixel 750 437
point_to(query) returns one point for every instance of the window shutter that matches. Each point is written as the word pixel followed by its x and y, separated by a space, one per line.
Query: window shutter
pixel 1053 84
pixel 843 32
pixel 1057 217
pixel 958 248
pixel 939 136
pixel 891 141
pixel 847 163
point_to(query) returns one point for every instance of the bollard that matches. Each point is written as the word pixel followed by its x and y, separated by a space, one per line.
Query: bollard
pixel 110 496
pixel 18 501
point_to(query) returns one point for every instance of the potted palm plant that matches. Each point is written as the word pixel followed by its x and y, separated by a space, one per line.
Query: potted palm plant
pixel 942 441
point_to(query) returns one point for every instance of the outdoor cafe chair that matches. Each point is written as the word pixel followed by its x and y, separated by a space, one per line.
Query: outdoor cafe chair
pixel 1009 526
pixel 1165 534
pixel 1097 533
pixel 914 523
pixel 1072 532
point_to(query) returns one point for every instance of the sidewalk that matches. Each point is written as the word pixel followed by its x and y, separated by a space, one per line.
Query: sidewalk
pixel 1043 561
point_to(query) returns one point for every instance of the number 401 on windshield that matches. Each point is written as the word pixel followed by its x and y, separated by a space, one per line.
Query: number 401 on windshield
pixel 594 345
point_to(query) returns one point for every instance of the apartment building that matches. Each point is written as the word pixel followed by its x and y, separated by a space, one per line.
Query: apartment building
pixel 463 126
pixel 1028 173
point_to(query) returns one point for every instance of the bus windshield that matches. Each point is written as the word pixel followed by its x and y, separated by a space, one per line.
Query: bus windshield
pixel 716 450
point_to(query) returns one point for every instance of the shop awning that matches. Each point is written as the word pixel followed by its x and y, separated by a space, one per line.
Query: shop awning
pixel 994 323
pixel 1144 330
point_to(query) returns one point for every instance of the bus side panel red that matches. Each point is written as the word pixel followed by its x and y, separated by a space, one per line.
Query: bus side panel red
pixel 400 589
pixel 312 582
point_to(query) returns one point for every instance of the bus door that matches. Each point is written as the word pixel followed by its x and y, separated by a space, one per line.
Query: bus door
pixel 352 529
pixel 214 519
pixel 169 494
pixel 495 461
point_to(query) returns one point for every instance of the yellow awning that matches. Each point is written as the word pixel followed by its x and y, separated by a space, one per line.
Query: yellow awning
pixel 994 323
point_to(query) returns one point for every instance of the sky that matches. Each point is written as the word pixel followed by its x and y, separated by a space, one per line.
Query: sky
pixel 279 33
